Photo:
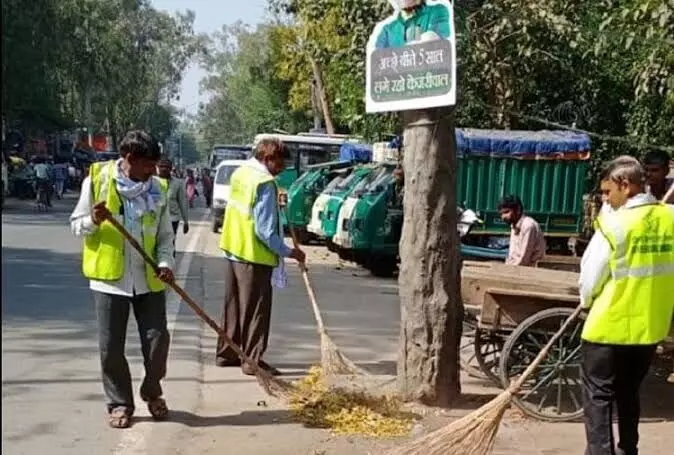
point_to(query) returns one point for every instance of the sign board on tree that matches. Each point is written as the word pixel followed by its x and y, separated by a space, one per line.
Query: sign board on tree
pixel 411 58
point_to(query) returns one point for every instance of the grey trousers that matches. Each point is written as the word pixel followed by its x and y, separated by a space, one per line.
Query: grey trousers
pixel 247 310
pixel 112 312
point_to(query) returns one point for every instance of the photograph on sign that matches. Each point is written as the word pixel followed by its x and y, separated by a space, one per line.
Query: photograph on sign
pixel 411 58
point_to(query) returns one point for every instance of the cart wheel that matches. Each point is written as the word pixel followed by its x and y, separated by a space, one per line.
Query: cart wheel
pixel 467 357
pixel 553 393
pixel 488 347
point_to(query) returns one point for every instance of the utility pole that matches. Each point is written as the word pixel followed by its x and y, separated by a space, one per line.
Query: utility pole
pixel 180 149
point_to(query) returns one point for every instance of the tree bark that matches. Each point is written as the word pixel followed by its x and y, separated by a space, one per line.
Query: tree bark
pixel 429 280
pixel 322 96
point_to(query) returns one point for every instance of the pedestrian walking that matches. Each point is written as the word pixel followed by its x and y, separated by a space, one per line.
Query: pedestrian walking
pixel 254 251
pixel 207 185
pixel 177 197
pixel 60 177
pixel 191 186
pixel 119 278
pixel 626 282
pixel 527 242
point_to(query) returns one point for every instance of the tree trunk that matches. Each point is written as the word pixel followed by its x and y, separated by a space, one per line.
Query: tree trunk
pixel 322 96
pixel 429 281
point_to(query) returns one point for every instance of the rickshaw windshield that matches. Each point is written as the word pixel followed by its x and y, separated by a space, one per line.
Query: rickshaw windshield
pixel 344 184
pixel 382 180
pixel 334 183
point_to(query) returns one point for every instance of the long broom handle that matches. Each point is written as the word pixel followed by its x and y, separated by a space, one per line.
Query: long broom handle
pixel 515 386
pixel 183 295
pixel 307 283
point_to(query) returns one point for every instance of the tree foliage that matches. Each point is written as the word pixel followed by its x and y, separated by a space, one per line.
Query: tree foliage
pixel 124 56
pixel 246 96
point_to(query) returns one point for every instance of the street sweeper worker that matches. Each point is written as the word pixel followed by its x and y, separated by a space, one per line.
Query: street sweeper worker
pixel 120 280
pixel 626 283
pixel 254 249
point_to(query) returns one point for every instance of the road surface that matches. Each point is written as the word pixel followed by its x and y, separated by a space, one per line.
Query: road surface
pixel 51 391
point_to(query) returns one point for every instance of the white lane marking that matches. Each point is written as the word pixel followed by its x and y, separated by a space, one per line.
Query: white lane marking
pixel 134 440
pixel 173 302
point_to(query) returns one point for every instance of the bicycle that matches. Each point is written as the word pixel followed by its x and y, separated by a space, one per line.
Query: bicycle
pixel 41 198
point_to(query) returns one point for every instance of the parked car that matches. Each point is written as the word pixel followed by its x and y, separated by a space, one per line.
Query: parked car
pixel 221 188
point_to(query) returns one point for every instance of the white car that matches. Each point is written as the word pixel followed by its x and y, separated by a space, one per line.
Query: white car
pixel 221 189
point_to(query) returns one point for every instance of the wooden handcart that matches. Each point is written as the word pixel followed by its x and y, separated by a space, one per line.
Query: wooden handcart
pixel 511 313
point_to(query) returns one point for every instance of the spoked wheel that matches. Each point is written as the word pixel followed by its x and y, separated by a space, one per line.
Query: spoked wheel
pixel 467 357
pixel 480 350
pixel 488 351
pixel 553 392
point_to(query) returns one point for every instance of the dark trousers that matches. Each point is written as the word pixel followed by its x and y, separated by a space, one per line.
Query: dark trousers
pixel 247 310
pixel 112 312
pixel 175 225
pixel 612 373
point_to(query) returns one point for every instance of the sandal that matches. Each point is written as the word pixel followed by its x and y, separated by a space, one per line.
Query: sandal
pixel 158 408
pixel 119 418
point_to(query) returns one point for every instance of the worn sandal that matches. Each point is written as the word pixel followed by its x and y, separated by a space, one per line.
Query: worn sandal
pixel 158 408
pixel 118 418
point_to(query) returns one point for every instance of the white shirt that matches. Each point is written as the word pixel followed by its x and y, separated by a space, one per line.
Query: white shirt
pixel 134 281
pixel 594 268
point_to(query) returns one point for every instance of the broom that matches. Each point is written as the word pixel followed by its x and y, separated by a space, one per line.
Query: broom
pixel 332 359
pixel 474 434
pixel 273 386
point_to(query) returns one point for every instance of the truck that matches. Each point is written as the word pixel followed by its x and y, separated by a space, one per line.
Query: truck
pixel 547 169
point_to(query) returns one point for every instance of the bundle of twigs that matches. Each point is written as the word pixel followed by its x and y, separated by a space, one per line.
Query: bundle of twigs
pixel 475 433
pixel 273 386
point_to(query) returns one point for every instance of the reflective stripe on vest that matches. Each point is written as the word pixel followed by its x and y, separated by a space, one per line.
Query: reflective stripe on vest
pixel 103 253
pixel 635 305
pixel 238 236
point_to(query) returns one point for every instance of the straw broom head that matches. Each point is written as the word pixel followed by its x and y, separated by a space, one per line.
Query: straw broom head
pixel 334 362
pixel 332 359
pixel 473 434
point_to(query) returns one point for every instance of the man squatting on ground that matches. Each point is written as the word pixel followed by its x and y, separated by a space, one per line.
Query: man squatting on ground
pixel 253 245
pixel 627 283
pixel 119 278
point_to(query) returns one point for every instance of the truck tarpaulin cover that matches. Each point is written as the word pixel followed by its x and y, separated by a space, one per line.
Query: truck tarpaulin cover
pixel 542 144
pixel 355 152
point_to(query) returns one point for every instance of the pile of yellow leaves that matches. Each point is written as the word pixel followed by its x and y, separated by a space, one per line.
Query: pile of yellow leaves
pixel 346 412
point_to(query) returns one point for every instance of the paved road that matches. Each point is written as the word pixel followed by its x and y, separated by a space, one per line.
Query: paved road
pixel 51 391
pixel 52 398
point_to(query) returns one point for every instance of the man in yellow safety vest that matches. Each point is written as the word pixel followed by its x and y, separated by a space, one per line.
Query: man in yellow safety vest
pixel 627 283
pixel 254 248
pixel 120 280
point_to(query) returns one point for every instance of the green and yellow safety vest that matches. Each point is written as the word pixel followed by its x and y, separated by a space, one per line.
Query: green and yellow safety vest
pixel 636 304
pixel 238 236
pixel 103 253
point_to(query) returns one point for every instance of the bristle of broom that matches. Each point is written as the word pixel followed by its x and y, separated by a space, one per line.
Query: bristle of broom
pixel 275 387
pixel 334 362
pixel 473 434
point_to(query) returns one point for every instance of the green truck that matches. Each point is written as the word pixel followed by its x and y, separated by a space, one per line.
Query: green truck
pixel 547 169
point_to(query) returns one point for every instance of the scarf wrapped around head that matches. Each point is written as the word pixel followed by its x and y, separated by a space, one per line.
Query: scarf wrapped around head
pixel 138 198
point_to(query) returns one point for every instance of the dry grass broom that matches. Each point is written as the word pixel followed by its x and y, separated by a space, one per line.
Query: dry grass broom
pixel 273 386
pixel 475 433
pixel 332 359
